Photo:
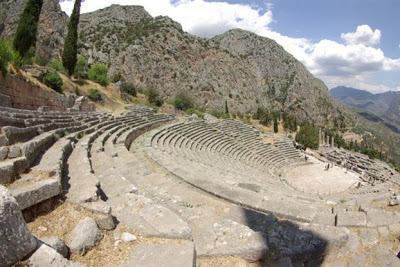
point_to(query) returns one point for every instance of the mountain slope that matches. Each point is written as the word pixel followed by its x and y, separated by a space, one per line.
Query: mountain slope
pixel 384 106
pixel 238 67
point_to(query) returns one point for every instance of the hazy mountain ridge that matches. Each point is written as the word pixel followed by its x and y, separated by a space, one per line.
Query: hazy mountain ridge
pixel 385 106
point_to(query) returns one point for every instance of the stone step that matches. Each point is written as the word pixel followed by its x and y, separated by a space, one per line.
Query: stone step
pixel 165 254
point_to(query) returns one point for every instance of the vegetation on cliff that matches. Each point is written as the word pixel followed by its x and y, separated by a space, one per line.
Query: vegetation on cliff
pixel 25 37
pixel 70 52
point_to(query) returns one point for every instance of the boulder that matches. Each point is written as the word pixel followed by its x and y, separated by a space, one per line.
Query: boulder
pixel 16 242
pixel 103 216
pixel 84 236
pixel 210 118
pixel 57 244
pixel 46 256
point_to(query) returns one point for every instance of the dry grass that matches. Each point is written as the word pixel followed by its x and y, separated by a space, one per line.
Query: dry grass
pixel 225 261
pixel 110 251
pixel 59 222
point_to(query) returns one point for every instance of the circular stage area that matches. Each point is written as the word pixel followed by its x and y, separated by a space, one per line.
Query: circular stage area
pixel 314 178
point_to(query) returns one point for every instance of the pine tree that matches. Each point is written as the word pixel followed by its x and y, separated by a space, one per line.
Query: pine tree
pixel 25 37
pixel 70 52
pixel 275 124
pixel 226 107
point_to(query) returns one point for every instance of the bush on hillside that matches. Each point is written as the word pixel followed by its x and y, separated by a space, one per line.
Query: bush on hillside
pixel 98 73
pixel 154 97
pixel 183 102
pixel 53 80
pixel 81 68
pixel 56 65
pixel 95 95
pixel 6 56
pixel 308 136
pixel 128 89
pixel 264 116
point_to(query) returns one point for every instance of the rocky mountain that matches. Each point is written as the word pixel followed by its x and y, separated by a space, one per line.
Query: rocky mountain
pixel 51 27
pixel 383 107
pixel 239 67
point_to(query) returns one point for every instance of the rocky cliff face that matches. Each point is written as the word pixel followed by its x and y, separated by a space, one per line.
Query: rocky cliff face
pixel 246 70
pixel 238 67
pixel 51 27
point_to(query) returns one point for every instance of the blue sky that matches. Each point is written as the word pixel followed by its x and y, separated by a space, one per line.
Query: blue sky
pixel 343 42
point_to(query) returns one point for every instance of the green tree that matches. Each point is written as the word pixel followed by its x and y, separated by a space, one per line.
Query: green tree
pixel 25 36
pixel 276 124
pixel 6 56
pixel 53 80
pixel 98 73
pixel 308 136
pixel 154 97
pixel 183 102
pixel 81 69
pixel 69 57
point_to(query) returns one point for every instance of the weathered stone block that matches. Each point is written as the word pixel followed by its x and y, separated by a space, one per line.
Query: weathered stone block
pixel 168 254
pixel 351 219
pixel 46 256
pixel 84 236
pixel 31 194
pixel 16 241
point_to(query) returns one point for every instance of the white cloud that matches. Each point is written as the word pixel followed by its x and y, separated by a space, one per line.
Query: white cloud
pixel 364 35
pixel 335 63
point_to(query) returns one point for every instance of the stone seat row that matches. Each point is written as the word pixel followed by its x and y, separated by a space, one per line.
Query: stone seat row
pixel 35 175
pixel 208 138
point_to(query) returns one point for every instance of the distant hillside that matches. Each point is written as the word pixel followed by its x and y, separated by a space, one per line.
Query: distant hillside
pixel 384 107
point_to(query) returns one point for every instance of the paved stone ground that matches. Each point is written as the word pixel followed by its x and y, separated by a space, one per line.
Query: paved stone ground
pixel 314 179
pixel 219 207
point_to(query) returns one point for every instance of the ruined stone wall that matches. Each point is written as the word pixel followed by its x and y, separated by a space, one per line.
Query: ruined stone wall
pixel 24 95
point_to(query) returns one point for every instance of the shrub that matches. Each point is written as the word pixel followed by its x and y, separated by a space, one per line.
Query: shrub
pixel 53 80
pixel 98 73
pixel 56 65
pixel 183 102
pixel 25 36
pixel 95 95
pixel 308 136
pixel 39 60
pixel 81 69
pixel 154 97
pixel 6 56
pixel 127 88
pixel 116 77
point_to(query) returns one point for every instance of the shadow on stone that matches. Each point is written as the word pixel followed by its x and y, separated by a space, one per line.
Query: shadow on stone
pixel 287 241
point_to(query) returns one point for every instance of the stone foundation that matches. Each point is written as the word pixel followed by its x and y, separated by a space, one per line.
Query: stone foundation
pixel 18 93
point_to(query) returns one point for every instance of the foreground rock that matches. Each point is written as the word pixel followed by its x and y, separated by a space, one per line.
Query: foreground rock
pixel 180 254
pixel 57 244
pixel 46 256
pixel 85 235
pixel 16 242
pixel 232 238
